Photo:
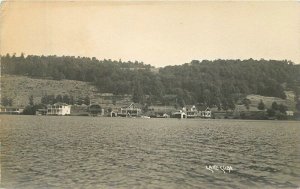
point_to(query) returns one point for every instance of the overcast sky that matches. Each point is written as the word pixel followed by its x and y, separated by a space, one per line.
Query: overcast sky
pixel 161 33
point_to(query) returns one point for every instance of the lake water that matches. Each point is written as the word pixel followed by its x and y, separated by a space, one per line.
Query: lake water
pixel 95 152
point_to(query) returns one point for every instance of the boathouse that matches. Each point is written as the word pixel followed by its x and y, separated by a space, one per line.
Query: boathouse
pixel 59 109
pixel 11 110
pixel 180 115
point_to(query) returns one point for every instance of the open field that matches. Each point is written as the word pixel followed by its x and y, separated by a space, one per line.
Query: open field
pixel 289 101
pixel 19 88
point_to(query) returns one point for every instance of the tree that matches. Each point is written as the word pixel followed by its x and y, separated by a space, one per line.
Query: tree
pixel 5 101
pixel 66 99
pixel 10 101
pixel 225 105
pixel 31 103
pixel 261 105
pixel 271 112
pixel 87 100
pixel 95 109
pixel 72 100
pixel 79 101
pixel 44 99
pixel 275 106
pixel 29 110
pixel 138 94
pixel 59 98
pixel 231 104
pixel 282 108
pixel 51 99
pixel 247 103
pixel 298 105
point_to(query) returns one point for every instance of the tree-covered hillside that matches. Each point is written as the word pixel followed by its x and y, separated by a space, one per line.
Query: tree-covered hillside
pixel 219 82
pixel 224 81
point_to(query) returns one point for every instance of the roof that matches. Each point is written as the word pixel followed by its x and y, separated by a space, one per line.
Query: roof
pixel 289 111
pixel 133 106
pixel 190 107
pixel 204 108
pixel 60 104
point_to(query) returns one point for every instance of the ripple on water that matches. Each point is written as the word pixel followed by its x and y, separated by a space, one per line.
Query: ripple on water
pixel 88 152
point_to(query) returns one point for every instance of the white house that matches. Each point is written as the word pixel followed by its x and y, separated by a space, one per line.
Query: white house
pixel 191 111
pixel 59 109
pixel 205 113
pixel 131 111
pixel 289 113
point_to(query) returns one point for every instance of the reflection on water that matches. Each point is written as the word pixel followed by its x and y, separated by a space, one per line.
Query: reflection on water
pixel 92 152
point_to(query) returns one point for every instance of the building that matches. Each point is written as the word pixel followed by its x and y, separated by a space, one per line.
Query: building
pixel 11 110
pixel 113 114
pixel 59 109
pixel 191 111
pixel 41 112
pixel 289 113
pixel 205 113
pixel 180 115
pixel 133 110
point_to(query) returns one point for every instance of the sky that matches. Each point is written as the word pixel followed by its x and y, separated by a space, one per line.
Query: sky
pixel 157 33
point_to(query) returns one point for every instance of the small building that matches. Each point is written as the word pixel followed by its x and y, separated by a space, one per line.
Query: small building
pixel 113 114
pixel 289 113
pixel 11 110
pixel 191 111
pixel 206 113
pixel 166 115
pixel 41 112
pixel 59 109
pixel 131 111
pixel 180 115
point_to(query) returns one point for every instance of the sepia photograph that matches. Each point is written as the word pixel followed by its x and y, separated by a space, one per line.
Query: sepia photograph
pixel 149 94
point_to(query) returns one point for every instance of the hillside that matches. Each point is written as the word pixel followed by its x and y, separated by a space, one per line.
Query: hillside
pixel 289 101
pixel 221 83
pixel 19 88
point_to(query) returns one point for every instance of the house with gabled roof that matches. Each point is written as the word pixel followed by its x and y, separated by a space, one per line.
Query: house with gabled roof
pixel 205 112
pixel 191 111
pixel 133 110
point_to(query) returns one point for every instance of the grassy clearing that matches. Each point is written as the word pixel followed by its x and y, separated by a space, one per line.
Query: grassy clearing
pixel 289 101
pixel 19 88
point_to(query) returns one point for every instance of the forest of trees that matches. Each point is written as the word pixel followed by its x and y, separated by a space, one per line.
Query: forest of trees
pixel 218 82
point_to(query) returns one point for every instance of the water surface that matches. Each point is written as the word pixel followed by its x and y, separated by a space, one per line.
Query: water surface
pixel 94 152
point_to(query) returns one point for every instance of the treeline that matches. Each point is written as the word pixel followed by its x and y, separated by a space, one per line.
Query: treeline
pixel 219 82
pixel 222 81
